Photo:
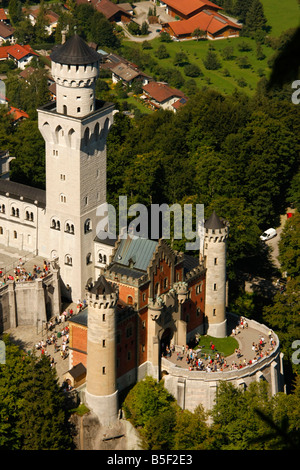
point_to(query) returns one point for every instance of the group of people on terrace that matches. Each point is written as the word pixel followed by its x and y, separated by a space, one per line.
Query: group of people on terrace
pixel 212 360
pixel 20 274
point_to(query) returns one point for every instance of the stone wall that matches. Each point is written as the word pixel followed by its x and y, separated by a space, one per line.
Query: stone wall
pixel 26 303
pixel 191 388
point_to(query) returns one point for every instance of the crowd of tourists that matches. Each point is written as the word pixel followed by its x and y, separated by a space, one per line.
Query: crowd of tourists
pixel 210 360
pixel 20 274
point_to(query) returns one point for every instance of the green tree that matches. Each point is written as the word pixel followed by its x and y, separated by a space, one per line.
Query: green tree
pixel 28 148
pixel 180 59
pixel 161 52
pixel 211 61
pixel 15 11
pixel 146 400
pixel 289 246
pixel 41 23
pixel 32 405
pixel 255 18
pixel 198 33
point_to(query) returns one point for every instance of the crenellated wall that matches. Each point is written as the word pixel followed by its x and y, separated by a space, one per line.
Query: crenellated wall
pixel 191 388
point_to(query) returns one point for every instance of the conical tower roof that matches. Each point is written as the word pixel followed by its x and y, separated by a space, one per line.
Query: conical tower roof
pixel 213 222
pixel 102 287
pixel 74 51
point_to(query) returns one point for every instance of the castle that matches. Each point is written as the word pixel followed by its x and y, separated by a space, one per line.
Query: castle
pixel 141 295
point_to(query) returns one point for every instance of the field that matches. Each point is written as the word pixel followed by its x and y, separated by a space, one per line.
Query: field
pixel 281 15
pixel 230 76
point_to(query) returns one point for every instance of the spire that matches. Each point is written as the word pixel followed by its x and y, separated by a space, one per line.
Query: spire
pixel 213 222
pixel 74 51
pixel 102 287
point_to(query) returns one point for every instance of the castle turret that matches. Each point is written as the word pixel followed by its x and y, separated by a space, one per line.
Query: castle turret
pixel 101 382
pixel 215 241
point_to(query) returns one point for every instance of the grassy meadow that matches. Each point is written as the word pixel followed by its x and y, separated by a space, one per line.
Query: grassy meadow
pixel 230 76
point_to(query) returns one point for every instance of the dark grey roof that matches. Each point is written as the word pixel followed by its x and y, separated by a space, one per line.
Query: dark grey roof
pixel 102 287
pixel 125 271
pixel 74 51
pixel 213 222
pixel 190 262
pixel 77 370
pixel 17 190
pixel 136 251
pixel 80 318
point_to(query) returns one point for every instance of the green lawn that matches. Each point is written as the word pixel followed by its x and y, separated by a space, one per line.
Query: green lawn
pixel 281 15
pixel 196 52
pixel 225 346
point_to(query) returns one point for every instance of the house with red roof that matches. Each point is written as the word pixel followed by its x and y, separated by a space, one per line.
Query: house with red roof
pixel 183 10
pixel 50 16
pixel 21 55
pixel 17 114
pixel 6 33
pixel 3 16
pixel 113 12
pixel 160 95
pixel 215 25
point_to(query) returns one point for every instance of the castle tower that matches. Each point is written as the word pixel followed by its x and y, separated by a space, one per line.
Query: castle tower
pixel 215 241
pixel 75 130
pixel 101 382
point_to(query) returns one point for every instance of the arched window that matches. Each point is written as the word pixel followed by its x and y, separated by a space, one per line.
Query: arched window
pixel 1 230
pixel 2 208
pixel 130 300
pixel 15 234
pixel 100 258
pixel 68 260
pixel 88 258
pixel 87 226
pixel 55 224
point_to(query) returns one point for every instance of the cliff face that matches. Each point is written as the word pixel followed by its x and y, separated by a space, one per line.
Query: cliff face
pixel 90 434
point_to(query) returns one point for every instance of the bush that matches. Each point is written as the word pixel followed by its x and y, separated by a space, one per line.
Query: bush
pixel 211 61
pixel 192 70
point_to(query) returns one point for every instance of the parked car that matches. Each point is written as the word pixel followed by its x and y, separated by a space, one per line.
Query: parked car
pixel 268 234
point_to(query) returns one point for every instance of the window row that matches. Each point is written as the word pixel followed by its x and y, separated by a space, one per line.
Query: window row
pixel 69 227
pixel 69 260
pixel 15 212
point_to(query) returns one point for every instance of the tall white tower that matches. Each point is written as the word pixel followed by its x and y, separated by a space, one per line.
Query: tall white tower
pixel 101 382
pixel 75 129
pixel 215 241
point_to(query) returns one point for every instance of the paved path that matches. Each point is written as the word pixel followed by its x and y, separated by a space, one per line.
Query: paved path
pixel 28 336
pixel 245 337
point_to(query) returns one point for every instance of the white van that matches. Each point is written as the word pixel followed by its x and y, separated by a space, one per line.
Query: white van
pixel 268 234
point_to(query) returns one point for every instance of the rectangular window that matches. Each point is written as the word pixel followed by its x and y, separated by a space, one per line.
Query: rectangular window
pixel 215 286
pixel 63 177
pixel 214 312
pixel 103 343
pixel 103 371
pixel 216 261
pixel 103 317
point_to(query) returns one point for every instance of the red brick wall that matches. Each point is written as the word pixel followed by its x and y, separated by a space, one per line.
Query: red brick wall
pixel 78 340
pixel 126 345
pixel 192 306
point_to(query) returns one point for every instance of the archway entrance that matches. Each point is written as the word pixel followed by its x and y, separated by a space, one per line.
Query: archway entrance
pixel 166 341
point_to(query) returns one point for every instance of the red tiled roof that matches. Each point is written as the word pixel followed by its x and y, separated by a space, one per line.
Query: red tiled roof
pixel 4 52
pixel 17 113
pixel 5 30
pixel 2 14
pixel 161 92
pixel 208 21
pixel 187 7
pixel 109 9
pixel 18 52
